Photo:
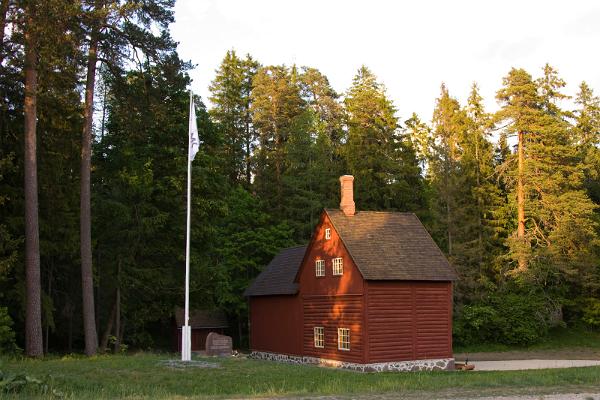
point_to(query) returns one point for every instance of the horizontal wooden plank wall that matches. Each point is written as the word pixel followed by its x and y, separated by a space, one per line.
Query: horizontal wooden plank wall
pixel 333 312
pixel 408 320
pixel 432 313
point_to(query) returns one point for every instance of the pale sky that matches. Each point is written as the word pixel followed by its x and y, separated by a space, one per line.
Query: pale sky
pixel 412 46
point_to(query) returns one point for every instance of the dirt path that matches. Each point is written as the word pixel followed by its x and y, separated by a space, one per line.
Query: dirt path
pixel 564 354
pixel 518 365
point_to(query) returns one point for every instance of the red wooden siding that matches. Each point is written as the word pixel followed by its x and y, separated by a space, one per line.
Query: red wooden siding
pixel 331 301
pixel 333 312
pixel 276 324
pixel 322 249
pixel 409 320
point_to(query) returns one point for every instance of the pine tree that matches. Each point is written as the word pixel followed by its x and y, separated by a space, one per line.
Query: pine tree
pixel 33 313
pixel 521 113
pixel 108 24
pixel 558 235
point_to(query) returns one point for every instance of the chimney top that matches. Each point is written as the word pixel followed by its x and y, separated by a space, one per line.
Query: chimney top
pixel 347 195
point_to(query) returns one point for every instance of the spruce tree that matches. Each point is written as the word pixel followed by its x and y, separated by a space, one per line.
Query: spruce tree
pixel 587 138
pixel 277 110
pixel 376 153
pixel 449 124
pixel 230 95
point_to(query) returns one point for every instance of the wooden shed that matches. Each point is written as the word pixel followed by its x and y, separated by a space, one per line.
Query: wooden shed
pixel 202 322
pixel 371 292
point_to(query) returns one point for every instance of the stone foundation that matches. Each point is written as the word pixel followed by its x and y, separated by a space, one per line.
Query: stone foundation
pixel 398 366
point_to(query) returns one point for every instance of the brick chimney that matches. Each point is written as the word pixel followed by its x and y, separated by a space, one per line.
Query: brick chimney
pixel 347 195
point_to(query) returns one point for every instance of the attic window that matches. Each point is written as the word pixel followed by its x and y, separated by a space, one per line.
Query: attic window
pixel 338 266
pixel 320 268
pixel 327 233
pixel 319 335
pixel 344 339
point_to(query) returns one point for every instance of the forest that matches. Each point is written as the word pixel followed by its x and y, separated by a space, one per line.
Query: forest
pixel 94 103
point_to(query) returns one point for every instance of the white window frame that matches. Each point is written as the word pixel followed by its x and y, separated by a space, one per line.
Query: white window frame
pixel 338 266
pixel 319 267
pixel 319 337
pixel 327 233
pixel 344 339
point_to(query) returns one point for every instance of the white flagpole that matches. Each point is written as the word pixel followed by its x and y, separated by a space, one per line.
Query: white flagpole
pixel 186 345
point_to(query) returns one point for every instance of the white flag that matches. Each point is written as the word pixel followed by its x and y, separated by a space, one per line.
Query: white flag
pixel 193 131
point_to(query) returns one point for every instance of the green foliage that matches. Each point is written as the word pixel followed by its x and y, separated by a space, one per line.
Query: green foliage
pixel 512 318
pixel 591 313
pixel 383 162
pixel 273 147
pixel 7 334
pixel 21 383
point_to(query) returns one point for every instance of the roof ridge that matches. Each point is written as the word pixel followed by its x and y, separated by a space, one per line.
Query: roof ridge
pixel 293 247
pixel 375 212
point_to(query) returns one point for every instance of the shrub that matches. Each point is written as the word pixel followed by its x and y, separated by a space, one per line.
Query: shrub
pixel 7 335
pixel 507 318
pixel 591 313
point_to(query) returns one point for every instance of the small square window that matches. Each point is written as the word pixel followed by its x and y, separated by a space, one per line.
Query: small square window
pixel 319 335
pixel 343 339
pixel 338 266
pixel 320 268
pixel 328 233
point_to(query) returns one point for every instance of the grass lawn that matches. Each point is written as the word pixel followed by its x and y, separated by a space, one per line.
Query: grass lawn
pixel 143 376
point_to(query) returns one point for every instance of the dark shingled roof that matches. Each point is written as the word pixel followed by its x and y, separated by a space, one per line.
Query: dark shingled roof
pixel 391 246
pixel 202 318
pixel 278 277
pixel 384 246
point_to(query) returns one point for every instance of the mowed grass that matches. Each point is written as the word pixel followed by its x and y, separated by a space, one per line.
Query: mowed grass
pixel 142 376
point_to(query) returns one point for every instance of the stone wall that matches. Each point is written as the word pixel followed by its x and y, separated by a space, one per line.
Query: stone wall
pixel 398 366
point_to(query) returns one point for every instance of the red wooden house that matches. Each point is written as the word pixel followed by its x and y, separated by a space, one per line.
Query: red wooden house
pixel 371 292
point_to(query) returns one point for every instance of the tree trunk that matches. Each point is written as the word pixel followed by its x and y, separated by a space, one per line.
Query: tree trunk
pixel 118 334
pixel 3 11
pixel 521 202
pixel 109 326
pixel 87 278
pixel 449 224
pixel 47 334
pixel 33 307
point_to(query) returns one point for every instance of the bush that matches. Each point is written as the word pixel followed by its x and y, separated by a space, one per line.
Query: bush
pixel 507 318
pixel 7 335
pixel 591 313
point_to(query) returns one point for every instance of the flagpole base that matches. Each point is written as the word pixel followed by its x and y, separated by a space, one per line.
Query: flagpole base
pixel 186 343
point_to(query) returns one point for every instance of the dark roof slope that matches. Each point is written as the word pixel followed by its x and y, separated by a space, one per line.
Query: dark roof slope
pixel 202 318
pixel 278 277
pixel 391 246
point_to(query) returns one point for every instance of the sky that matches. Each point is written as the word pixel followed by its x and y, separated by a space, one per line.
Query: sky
pixel 411 46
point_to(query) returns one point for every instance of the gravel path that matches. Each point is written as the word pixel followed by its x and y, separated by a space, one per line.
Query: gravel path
pixel 563 354
pixel 513 365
